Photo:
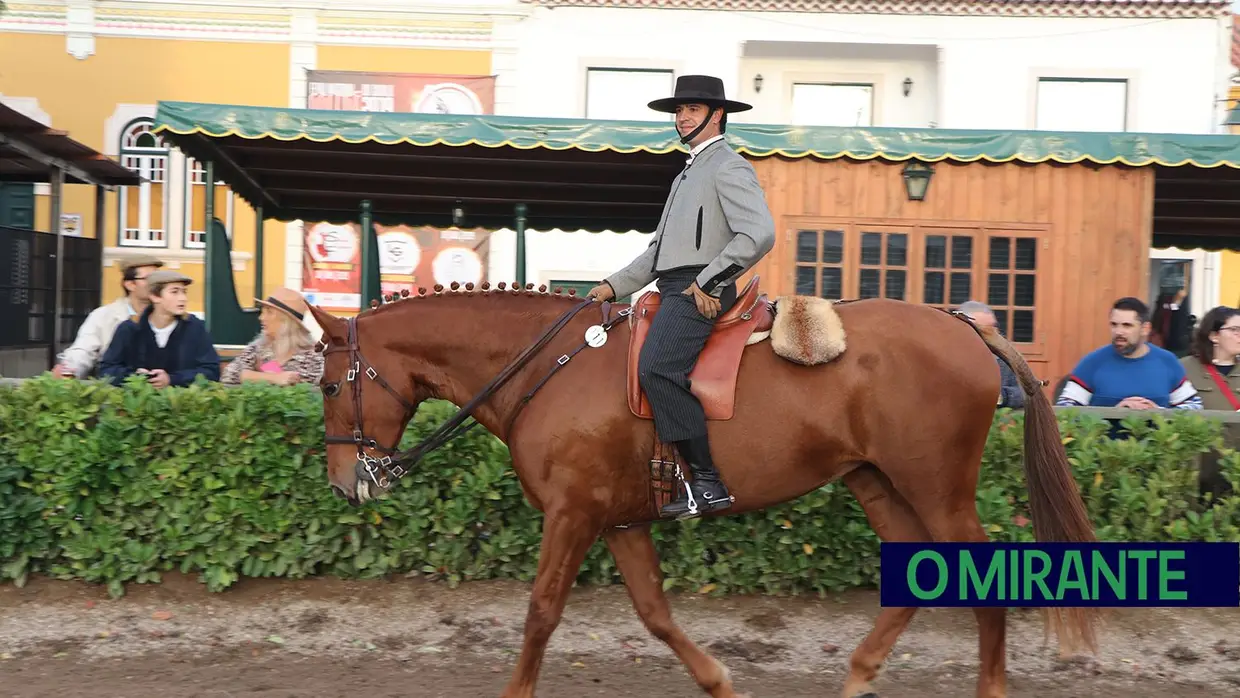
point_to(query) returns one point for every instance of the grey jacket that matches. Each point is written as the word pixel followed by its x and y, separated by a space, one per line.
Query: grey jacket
pixel 715 217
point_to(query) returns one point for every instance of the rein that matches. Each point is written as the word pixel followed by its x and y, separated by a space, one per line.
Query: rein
pixel 395 465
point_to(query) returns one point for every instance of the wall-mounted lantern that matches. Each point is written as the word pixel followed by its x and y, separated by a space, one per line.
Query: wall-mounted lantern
pixel 917 176
pixel 757 82
pixel 908 86
pixel 458 214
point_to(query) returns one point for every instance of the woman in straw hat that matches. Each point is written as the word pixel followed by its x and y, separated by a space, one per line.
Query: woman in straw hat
pixel 283 353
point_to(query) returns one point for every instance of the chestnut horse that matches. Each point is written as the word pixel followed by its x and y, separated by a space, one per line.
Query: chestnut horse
pixel 901 417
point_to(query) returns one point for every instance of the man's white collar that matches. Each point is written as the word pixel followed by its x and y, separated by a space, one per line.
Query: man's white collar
pixel 702 146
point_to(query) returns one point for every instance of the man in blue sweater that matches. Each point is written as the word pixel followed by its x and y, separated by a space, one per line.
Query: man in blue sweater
pixel 166 344
pixel 1130 372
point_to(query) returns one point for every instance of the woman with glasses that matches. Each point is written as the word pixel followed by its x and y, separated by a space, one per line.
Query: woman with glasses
pixel 1211 366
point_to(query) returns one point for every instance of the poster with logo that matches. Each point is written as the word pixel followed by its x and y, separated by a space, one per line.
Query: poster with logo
pixel 331 266
pixel 417 93
pixel 410 257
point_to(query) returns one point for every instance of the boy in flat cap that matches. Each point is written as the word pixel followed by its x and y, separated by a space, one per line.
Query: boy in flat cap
pixel 166 344
pixel 82 357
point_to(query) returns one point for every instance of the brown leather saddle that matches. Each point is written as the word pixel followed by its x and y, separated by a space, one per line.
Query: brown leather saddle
pixel 713 379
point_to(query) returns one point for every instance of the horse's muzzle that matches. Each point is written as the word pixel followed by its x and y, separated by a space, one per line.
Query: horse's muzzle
pixel 340 492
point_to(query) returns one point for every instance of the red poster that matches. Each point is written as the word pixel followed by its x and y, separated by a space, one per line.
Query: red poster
pixel 341 90
pixel 331 266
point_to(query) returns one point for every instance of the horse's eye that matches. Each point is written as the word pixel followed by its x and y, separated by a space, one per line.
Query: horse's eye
pixel 331 389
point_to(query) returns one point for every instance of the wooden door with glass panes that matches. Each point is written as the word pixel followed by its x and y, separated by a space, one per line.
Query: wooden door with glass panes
pixel 1012 289
pixel 882 269
pixel 936 264
pixel 947 262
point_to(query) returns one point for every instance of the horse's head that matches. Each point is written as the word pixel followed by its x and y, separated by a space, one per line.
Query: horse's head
pixel 369 396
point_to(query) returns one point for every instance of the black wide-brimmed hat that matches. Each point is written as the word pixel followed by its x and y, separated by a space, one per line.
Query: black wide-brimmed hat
pixel 698 89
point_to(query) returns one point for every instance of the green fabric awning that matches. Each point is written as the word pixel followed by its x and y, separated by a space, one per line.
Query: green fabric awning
pixel 573 174
pixel 1134 149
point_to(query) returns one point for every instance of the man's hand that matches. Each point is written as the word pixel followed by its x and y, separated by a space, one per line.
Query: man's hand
pixel 159 378
pixel 707 304
pixel 602 292
pixel 1138 403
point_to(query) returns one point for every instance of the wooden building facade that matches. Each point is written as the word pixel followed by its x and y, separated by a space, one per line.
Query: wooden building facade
pixel 1049 229
pixel 1048 246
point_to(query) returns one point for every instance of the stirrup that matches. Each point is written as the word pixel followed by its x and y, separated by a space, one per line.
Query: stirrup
pixel 692 506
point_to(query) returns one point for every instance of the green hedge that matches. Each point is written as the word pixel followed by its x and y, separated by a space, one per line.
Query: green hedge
pixel 118 485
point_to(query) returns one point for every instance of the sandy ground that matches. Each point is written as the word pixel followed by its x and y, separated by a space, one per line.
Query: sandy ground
pixel 408 637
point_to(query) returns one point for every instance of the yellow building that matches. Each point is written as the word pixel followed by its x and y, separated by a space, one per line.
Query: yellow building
pixel 1229 263
pixel 98 70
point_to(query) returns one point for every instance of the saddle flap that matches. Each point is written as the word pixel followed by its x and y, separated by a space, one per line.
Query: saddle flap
pixel 713 378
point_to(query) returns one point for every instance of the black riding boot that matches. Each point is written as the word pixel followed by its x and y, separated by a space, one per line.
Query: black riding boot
pixel 706 492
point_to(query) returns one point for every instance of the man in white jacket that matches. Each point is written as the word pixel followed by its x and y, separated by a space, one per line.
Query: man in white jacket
pixel 81 359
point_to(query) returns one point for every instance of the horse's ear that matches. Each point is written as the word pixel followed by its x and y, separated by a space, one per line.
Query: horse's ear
pixel 325 327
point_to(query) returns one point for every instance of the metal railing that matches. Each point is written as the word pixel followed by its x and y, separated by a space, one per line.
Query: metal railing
pixel 1224 416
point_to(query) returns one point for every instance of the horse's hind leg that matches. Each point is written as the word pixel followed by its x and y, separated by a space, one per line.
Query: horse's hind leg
pixel 639 564
pixel 956 520
pixel 892 519
pixel 567 537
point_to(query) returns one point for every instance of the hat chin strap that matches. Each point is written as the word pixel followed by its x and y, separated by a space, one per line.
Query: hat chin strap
pixel 697 131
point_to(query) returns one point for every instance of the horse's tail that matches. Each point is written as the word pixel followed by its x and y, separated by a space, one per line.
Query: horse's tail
pixel 1055 502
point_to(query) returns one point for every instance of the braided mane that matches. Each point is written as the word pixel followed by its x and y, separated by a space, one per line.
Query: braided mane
pixel 456 289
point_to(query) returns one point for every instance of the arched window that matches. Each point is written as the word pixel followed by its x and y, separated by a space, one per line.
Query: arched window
pixel 144 208
pixel 195 209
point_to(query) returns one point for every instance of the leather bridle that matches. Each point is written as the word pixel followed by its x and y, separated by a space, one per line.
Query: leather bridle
pixel 359 366
pixel 394 465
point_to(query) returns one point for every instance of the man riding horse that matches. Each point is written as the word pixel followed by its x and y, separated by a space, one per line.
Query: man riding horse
pixel 715 227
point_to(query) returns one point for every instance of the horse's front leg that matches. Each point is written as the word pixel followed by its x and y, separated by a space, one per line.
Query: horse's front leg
pixel 567 536
pixel 635 555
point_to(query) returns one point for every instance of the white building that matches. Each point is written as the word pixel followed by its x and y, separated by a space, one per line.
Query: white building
pixel 1141 65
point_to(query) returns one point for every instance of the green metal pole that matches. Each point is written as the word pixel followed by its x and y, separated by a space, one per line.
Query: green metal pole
pixel 372 289
pixel 101 204
pixel 521 244
pixel 258 251
pixel 57 190
pixel 208 230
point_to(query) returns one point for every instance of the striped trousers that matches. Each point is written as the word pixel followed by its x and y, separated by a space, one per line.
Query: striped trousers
pixel 676 338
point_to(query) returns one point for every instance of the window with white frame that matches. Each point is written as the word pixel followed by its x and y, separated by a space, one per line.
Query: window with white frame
pixel 623 93
pixel 832 104
pixel 1082 104
pixel 144 208
pixel 195 205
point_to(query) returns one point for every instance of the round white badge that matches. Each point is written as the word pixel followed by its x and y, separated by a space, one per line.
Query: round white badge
pixel 596 336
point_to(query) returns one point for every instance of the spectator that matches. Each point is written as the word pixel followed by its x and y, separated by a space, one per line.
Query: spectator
pixel 1212 361
pixel 82 358
pixel 166 344
pixel 1171 323
pixel 1211 364
pixel 1130 372
pixel 283 353
pixel 1010 393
